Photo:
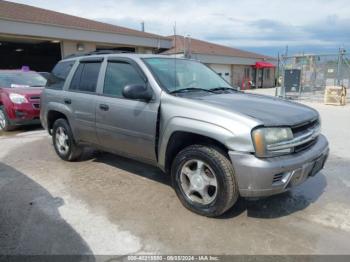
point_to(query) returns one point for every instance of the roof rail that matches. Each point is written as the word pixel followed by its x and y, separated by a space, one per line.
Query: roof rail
pixel 98 52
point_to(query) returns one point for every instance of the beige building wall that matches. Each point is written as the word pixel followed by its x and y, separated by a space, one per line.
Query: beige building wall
pixel 269 77
pixel 144 50
pixel 71 47
pixel 237 74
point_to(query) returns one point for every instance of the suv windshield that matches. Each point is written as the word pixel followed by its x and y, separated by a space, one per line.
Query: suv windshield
pixel 181 74
pixel 21 79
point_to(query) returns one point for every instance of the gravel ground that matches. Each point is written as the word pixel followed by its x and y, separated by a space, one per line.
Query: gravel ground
pixel 106 204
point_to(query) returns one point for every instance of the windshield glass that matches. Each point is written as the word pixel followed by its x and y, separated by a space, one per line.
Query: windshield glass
pixel 176 74
pixel 21 79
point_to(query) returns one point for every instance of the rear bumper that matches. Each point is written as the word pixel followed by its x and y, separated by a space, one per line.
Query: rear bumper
pixel 259 177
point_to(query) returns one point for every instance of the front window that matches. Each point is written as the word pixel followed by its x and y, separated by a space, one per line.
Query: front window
pixel 21 79
pixel 178 74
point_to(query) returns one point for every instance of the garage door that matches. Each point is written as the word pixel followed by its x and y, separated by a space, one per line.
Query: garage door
pixel 223 70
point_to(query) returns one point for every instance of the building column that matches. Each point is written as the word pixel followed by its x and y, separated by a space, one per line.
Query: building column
pixel 73 47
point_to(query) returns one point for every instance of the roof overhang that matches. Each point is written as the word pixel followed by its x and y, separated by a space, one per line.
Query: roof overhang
pixel 76 34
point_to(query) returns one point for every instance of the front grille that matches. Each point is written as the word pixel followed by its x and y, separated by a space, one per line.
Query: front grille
pixel 36 106
pixel 34 98
pixel 303 128
pixel 302 147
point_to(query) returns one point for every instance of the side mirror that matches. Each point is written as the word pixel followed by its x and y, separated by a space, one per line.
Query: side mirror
pixel 138 92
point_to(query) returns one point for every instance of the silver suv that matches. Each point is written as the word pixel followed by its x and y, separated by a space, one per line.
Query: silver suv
pixel 216 142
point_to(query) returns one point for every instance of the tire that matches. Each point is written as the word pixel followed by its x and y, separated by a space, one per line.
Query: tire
pixel 4 121
pixel 215 165
pixel 63 141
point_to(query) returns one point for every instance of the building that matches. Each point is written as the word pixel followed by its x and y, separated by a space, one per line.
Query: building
pixel 238 67
pixel 39 37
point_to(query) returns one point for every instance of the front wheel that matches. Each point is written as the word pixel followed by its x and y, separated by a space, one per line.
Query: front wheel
pixel 63 141
pixel 204 180
pixel 4 122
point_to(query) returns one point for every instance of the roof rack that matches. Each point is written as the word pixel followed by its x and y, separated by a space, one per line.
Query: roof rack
pixel 99 52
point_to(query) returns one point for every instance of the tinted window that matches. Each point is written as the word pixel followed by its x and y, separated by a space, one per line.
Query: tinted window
pixel 118 75
pixel 85 77
pixel 21 79
pixel 59 75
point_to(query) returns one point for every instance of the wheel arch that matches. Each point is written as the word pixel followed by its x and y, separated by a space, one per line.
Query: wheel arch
pixel 52 116
pixel 182 132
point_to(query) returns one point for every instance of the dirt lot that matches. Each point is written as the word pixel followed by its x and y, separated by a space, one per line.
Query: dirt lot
pixel 106 204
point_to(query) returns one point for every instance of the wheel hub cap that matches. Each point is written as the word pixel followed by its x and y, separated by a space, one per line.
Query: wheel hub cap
pixel 197 182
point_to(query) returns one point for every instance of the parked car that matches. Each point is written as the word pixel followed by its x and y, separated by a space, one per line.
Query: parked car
pixel 216 143
pixel 20 92
pixel 45 75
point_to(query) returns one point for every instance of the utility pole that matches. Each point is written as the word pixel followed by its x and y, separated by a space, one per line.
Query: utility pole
pixel 278 68
pixel 340 64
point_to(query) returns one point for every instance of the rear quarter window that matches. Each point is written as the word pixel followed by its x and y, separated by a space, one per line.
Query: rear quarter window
pixel 59 75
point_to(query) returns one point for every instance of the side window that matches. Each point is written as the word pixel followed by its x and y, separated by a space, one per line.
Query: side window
pixel 118 75
pixel 85 77
pixel 59 75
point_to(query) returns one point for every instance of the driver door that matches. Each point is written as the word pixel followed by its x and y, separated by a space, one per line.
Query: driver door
pixel 125 126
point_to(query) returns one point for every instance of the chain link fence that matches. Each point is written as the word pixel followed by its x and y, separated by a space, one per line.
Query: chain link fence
pixel 306 76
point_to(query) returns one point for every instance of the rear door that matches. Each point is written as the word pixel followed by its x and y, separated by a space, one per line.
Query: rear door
pixel 81 98
pixel 123 125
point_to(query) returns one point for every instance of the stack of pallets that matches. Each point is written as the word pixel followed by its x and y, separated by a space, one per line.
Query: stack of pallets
pixel 335 95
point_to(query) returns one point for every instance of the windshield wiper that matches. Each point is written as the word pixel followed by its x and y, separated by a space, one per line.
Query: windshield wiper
pixel 190 89
pixel 223 88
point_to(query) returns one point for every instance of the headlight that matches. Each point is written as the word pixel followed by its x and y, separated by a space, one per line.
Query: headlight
pixel 17 98
pixel 266 136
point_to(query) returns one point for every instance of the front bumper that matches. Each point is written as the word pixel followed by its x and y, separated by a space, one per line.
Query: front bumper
pixel 258 177
pixel 23 114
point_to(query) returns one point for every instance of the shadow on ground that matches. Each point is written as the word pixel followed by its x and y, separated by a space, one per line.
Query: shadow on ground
pixel 129 165
pixel 30 223
pixel 276 206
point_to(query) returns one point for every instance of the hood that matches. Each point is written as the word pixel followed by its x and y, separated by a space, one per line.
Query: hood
pixel 270 111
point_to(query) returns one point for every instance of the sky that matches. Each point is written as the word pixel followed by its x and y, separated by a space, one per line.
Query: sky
pixel 263 26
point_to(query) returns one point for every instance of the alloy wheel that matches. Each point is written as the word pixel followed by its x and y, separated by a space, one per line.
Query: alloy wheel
pixel 62 140
pixel 2 120
pixel 198 182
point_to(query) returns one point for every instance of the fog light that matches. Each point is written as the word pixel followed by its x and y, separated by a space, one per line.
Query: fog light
pixel 20 114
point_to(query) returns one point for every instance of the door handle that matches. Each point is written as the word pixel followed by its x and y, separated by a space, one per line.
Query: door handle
pixel 67 101
pixel 104 107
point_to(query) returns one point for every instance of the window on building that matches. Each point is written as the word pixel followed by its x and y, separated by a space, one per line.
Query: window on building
pixel 59 75
pixel 118 75
pixel 85 77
